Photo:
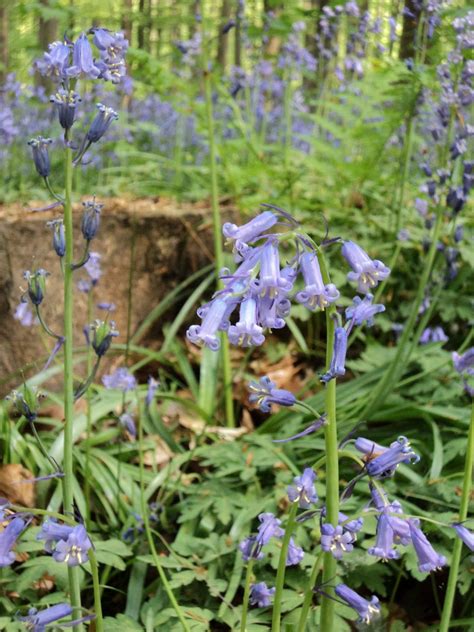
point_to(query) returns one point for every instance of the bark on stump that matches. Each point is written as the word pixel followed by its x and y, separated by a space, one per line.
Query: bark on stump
pixel 171 242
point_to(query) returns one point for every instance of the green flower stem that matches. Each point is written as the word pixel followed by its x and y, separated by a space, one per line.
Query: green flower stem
pixel 332 459
pixel 87 469
pixel 245 605
pixel 280 579
pixel 218 249
pixel 395 368
pixel 148 531
pixel 44 325
pixel 68 480
pixel 308 595
pixel 99 623
pixel 458 544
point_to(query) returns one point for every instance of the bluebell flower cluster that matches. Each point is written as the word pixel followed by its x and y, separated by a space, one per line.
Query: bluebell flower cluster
pixel 263 289
pixel 464 366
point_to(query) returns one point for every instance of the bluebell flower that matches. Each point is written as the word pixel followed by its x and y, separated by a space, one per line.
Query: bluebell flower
pixel 428 559
pixel 74 549
pixel 295 554
pixel 51 532
pixel 385 537
pixel 336 540
pixel 338 359
pixel 303 489
pixel 456 199
pixel 241 236
pixel 112 46
pixel 127 421
pixel 315 295
pixel 55 63
pixel 37 620
pixel 24 314
pixel 465 534
pixel 246 332
pixel 366 271
pixel 261 595
pixel 36 285
pixel 106 307
pixel 250 549
pixel 269 528
pixel 464 365
pixel 272 312
pixel 363 310
pixel 101 123
pixel 435 334
pixel 59 236
pixel 153 386
pixel 39 147
pixel 207 332
pixel 353 526
pixel 421 206
pixel 313 427
pixel 364 608
pixel 264 394
pixel 92 267
pixel 369 447
pixel 385 464
pixel 121 378
pixel 400 527
pixel 66 102
pixel 8 537
pixel 99 334
pixel 82 60
pixel 90 219
pixel 270 283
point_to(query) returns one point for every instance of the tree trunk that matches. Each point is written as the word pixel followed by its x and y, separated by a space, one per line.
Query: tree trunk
pixel 238 36
pixel 127 8
pixel 223 38
pixel 3 40
pixel 143 22
pixel 47 33
pixel 411 19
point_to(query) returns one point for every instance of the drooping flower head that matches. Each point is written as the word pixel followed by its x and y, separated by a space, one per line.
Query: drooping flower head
pixel 316 295
pixel 336 540
pixel 295 554
pixel 303 490
pixel 338 359
pixel 59 236
pixel 465 534
pixel 385 537
pixel 271 283
pixel 242 236
pixel 101 123
pixel 66 102
pixel 83 60
pixel 74 549
pixel 364 608
pixel 264 393
pixel 8 538
pixel 269 528
pixel 261 595
pixel 382 462
pixel 90 219
pixel 37 620
pixel 246 332
pixel 121 378
pixel 428 559
pixel 99 334
pixel 36 285
pixel 366 271
pixel 363 310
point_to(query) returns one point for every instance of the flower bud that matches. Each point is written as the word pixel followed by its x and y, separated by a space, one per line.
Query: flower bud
pixel 90 219
pixel 40 155
pixel 66 102
pixel 59 236
pixel 25 402
pixel 36 285
pixel 100 334
pixel 101 123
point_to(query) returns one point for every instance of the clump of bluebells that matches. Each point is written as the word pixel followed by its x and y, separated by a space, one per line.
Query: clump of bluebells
pixel 277 265
pixel 65 63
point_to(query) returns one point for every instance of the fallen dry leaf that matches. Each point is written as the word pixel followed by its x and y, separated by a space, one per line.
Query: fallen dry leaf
pixel 16 485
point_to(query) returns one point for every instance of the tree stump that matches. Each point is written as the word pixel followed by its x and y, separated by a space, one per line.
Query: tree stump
pixel 171 242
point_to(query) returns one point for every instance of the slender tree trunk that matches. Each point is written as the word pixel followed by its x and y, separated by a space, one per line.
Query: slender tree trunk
pixel 3 40
pixel 238 36
pixel 127 8
pixel 411 18
pixel 223 38
pixel 142 24
pixel 47 33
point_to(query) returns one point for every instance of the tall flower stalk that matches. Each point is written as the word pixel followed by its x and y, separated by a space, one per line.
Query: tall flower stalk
pixel 463 514
pixel 217 232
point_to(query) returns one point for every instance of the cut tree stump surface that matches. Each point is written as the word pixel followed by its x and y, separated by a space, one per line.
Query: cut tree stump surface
pixel 171 242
